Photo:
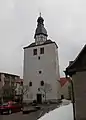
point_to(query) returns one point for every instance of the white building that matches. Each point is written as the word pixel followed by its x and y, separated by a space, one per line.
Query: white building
pixel 41 67
pixel 7 84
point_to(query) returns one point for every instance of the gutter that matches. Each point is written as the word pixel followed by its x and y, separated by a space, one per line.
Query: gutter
pixel 73 96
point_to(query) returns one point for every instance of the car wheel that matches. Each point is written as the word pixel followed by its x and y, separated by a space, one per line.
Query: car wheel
pixel 1 113
pixel 9 111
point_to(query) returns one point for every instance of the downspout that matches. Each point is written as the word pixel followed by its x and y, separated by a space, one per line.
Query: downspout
pixel 73 97
pixel 73 100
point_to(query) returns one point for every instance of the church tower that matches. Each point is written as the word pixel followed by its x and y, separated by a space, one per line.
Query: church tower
pixel 41 67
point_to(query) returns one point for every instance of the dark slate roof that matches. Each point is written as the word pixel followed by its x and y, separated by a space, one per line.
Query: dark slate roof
pixel 45 43
pixel 40 28
pixel 78 64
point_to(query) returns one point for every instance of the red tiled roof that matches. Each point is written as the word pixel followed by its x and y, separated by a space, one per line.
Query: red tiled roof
pixel 63 81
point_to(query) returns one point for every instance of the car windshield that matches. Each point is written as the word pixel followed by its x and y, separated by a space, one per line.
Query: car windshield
pixel 4 104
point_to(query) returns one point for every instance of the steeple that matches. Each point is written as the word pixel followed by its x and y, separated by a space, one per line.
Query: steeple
pixel 40 33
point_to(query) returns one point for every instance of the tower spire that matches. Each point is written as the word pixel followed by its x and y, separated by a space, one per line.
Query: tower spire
pixel 40 30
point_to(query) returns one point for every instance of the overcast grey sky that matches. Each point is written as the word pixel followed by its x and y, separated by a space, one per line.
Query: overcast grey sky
pixel 65 21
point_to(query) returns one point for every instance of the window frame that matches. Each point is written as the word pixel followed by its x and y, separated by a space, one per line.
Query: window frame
pixel 30 84
pixel 42 83
pixel 35 51
pixel 42 50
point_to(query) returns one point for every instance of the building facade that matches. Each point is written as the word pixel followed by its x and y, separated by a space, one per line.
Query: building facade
pixel 7 84
pixel 77 72
pixel 65 88
pixel 41 67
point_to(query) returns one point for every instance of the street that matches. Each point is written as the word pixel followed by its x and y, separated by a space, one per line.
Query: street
pixel 30 116
pixel 20 116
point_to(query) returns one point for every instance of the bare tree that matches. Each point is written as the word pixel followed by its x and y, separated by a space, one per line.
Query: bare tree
pixel 23 90
pixel 45 89
pixel 7 92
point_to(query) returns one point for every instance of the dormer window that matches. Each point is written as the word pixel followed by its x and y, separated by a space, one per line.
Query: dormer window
pixel 40 39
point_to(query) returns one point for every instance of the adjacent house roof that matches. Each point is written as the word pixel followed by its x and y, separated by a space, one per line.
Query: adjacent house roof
pixel 79 64
pixel 63 81
pixel 45 43
pixel 11 74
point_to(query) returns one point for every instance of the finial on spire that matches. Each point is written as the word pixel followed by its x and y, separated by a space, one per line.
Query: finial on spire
pixel 40 20
pixel 40 14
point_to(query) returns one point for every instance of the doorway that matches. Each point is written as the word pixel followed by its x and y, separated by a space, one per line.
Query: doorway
pixel 39 98
pixel 62 97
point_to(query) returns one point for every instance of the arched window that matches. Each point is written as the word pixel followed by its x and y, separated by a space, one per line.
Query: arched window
pixel 40 72
pixel 42 83
pixel 38 57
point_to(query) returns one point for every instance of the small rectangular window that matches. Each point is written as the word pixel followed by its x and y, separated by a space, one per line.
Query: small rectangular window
pixel 42 83
pixel 30 84
pixel 34 51
pixel 42 50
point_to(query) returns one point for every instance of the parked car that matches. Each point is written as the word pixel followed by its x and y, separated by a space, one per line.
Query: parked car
pixel 10 107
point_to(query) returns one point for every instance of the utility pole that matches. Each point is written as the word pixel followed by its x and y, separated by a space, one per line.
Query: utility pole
pixel 73 98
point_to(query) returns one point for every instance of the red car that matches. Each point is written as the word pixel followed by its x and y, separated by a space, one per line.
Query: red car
pixel 10 107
